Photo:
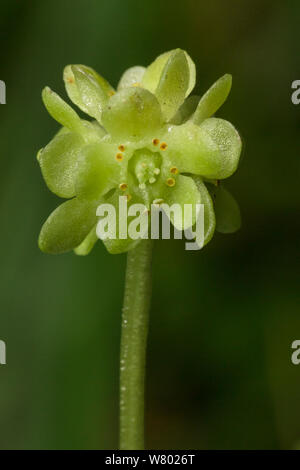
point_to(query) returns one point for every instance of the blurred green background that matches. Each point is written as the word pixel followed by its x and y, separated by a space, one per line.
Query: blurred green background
pixel 223 319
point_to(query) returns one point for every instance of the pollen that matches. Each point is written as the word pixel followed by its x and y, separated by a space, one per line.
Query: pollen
pixel 121 148
pixel 171 182
pixel 155 141
pixel 174 170
pixel 70 80
pixel 123 186
pixel 111 93
pixel 119 157
pixel 136 84
pixel 163 146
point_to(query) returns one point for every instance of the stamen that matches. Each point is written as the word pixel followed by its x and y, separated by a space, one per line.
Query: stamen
pixel 155 141
pixel 119 157
pixel 171 182
pixel 121 148
pixel 157 202
pixel 174 170
pixel 163 146
pixel 123 186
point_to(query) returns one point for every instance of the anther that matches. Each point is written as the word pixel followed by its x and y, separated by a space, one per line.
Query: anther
pixel 121 148
pixel 170 182
pixel 123 186
pixel 155 141
pixel 119 157
pixel 174 170
pixel 157 202
pixel 163 146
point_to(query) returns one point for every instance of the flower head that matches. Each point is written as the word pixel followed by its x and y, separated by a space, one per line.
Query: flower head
pixel 149 140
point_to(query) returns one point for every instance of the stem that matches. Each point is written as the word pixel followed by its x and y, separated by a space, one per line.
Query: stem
pixel 133 345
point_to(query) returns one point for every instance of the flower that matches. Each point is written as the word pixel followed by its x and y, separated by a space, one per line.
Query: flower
pixel 149 140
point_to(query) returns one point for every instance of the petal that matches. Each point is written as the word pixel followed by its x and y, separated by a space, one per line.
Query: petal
pixel 173 84
pixel 132 77
pixel 88 243
pixel 210 150
pixel 119 245
pixel 98 171
pixel 213 99
pixel 67 226
pixel 154 71
pixel 228 216
pixel 186 110
pixel 209 213
pixel 131 114
pixel 61 111
pixel 227 139
pixel 87 89
pixel 58 162
pixel 184 192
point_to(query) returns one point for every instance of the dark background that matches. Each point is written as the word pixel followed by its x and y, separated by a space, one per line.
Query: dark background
pixel 223 319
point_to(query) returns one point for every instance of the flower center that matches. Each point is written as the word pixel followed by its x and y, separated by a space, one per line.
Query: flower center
pixel 146 166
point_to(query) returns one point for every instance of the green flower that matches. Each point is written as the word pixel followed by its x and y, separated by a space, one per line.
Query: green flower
pixel 149 141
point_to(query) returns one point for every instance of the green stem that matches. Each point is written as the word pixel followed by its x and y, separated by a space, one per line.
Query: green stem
pixel 133 345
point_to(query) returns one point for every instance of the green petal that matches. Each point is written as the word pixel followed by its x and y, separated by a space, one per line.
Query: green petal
pixel 132 77
pixel 213 99
pixel 173 84
pixel 209 213
pixel 98 171
pixel 185 191
pixel 88 243
pixel 118 245
pixel 153 73
pixel 186 110
pixel 228 216
pixel 58 162
pixel 67 226
pixel 131 114
pixel 211 149
pixel 227 139
pixel 87 89
pixel 61 111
